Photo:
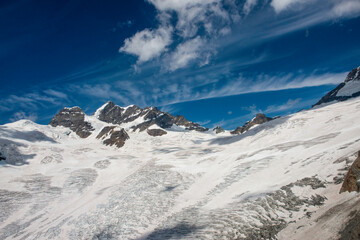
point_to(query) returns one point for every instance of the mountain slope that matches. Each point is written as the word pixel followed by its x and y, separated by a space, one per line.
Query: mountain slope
pixel 278 180
pixel 350 88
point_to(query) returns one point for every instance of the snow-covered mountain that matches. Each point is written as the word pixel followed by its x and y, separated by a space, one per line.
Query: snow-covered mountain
pixel 111 122
pixel 132 173
pixel 350 88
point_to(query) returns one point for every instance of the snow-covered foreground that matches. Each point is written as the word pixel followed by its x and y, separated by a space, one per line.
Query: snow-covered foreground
pixel 278 180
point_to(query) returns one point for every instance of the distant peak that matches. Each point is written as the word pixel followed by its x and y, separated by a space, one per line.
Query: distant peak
pixel 100 109
pixel 354 75
pixel 259 118
pixel 350 88
pixel 218 129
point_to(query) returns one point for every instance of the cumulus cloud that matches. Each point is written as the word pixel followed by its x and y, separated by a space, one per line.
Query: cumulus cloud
pixel 248 6
pixel 346 8
pixel 185 53
pixel 148 44
pixel 182 23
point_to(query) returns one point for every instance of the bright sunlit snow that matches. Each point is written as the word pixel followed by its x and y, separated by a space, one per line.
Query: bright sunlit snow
pixel 184 184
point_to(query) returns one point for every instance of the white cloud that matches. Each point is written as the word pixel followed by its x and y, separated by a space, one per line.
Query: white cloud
pixel 179 5
pixel 264 83
pixel 290 104
pixel 192 14
pixel 184 21
pixel 56 93
pixel 338 8
pixel 148 44
pixel 281 5
pixel 346 8
pixel 102 91
pixel 185 53
pixel 22 115
pixel 248 6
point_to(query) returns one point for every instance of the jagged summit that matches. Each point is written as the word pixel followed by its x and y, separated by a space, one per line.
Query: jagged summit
pixel 348 89
pixel 218 129
pixel 143 118
pixel 134 117
pixel 260 118
pixel 115 114
pixel 73 118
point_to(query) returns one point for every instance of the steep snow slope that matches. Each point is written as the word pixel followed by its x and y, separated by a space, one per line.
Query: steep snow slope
pixel 278 180
pixel 350 88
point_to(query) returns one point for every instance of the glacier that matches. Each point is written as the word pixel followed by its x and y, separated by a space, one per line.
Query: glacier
pixel 278 180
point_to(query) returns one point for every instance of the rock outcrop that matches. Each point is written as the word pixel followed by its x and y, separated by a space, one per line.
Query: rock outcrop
pixel 260 118
pixel 73 118
pixel 218 129
pixel 2 157
pixel 111 136
pixel 115 114
pixel 149 116
pixel 156 132
pixel 350 88
pixel 352 179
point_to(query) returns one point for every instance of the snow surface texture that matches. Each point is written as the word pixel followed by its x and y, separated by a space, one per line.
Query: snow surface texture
pixel 349 89
pixel 278 180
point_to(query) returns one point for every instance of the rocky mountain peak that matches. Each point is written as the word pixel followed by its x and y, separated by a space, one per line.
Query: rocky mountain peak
pixel 218 129
pixel 259 118
pixel 354 75
pixel 115 114
pixel 111 136
pixel 350 88
pixel 73 118
pixel 145 118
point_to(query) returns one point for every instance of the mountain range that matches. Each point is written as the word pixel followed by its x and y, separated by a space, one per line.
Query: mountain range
pixel 140 173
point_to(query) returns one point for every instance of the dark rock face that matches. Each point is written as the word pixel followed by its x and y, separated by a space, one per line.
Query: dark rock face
pixel 156 132
pixel 73 118
pixel 218 129
pixel 105 131
pixel 353 76
pixel 259 119
pixel 112 113
pixel 352 179
pixel 2 157
pixel 112 137
pixel 238 130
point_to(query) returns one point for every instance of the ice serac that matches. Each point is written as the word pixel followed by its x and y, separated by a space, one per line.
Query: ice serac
pixel 143 118
pixel 350 88
pixel 73 118
pixel 260 118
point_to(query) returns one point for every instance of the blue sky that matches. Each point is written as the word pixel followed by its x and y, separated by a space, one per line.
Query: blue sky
pixel 217 62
